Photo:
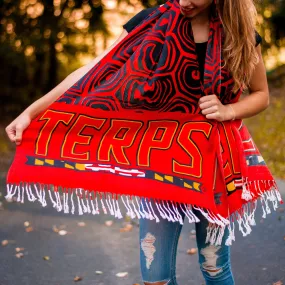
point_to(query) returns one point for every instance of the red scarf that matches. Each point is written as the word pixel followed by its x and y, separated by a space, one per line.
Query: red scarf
pixel 131 128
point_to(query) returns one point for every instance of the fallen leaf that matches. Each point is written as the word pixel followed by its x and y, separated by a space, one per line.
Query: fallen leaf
pixel 55 229
pixel 192 251
pixel 81 224
pixel 127 228
pixel 19 255
pixel 109 223
pixel 29 229
pixel 46 258
pixel 18 249
pixel 278 283
pixel 98 272
pixel 4 242
pixel 122 274
pixel 62 232
pixel 26 224
pixel 128 218
pixel 77 278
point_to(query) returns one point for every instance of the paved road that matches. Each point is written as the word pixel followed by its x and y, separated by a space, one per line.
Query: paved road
pixel 258 259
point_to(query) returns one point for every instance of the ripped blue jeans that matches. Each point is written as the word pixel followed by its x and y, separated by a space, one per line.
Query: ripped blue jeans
pixel 158 248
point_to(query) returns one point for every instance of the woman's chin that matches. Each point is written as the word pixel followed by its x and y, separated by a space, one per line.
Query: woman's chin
pixel 186 13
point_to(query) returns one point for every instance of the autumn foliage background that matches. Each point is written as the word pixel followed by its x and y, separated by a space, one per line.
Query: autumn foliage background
pixel 41 42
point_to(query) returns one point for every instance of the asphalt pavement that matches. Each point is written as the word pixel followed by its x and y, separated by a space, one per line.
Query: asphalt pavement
pixel 55 248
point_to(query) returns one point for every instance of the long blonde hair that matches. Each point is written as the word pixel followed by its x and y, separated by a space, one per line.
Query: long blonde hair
pixel 238 19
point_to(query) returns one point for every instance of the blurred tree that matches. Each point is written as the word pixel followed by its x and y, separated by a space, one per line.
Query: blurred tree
pixel 32 34
pixel 40 40
pixel 273 12
pixel 278 21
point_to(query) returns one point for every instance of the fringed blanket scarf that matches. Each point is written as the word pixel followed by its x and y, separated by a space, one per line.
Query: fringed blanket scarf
pixel 131 129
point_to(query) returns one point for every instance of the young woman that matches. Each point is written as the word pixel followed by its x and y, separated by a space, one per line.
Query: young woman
pixel 242 54
pixel 158 241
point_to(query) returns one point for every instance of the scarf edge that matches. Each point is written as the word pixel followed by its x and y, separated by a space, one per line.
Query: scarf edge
pixel 89 202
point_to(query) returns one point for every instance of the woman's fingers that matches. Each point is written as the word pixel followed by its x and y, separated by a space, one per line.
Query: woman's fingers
pixel 219 113
pixel 206 105
pixel 17 127
pixel 208 98
pixel 215 116
pixel 210 110
pixel 19 132
pixel 212 101
pixel 11 133
pixel 14 133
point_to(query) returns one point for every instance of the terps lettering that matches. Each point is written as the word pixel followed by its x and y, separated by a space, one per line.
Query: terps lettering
pixel 123 141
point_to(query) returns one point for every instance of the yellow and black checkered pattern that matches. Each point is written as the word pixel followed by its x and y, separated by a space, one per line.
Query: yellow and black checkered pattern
pixel 184 183
pixel 56 163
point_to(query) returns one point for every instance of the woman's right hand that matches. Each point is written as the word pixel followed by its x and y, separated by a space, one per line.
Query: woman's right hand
pixel 16 128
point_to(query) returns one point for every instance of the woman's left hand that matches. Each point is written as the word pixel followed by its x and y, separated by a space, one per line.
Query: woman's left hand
pixel 212 108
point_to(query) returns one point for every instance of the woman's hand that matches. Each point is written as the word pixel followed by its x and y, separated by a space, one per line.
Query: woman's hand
pixel 15 129
pixel 247 106
pixel 212 107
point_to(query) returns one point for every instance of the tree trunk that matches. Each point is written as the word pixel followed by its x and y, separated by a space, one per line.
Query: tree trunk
pixel 53 65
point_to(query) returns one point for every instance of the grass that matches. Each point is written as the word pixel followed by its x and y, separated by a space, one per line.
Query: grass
pixel 268 132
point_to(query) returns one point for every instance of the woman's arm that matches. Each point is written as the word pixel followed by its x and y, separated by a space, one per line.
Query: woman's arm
pixel 256 102
pixel 15 129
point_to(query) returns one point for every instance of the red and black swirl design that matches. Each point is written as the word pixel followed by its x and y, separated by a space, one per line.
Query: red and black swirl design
pixel 155 68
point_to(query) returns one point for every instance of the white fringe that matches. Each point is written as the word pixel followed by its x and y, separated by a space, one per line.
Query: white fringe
pixel 84 207
pixel 44 202
pixel 133 215
pixel 84 201
pixel 246 194
pixel 150 216
pixel 177 212
pixel 155 216
pixel 29 190
pixel 231 236
pixel 103 206
pixel 72 203
pixel 141 213
pixel 109 205
pixel 94 212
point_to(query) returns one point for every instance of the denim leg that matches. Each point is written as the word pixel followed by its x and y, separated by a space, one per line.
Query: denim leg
pixel 214 260
pixel 158 249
